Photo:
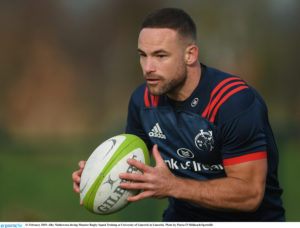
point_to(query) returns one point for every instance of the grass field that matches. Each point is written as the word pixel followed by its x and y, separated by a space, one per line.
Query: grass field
pixel 36 184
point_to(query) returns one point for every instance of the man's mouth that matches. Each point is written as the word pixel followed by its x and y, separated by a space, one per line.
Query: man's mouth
pixel 152 80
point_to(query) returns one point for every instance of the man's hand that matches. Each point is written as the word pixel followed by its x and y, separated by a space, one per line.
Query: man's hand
pixel 76 177
pixel 242 189
pixel 156 181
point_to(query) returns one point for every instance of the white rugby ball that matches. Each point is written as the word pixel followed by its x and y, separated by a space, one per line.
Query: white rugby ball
pixel 100 189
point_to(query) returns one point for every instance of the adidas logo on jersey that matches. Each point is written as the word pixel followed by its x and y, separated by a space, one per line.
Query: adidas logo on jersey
pixel 157 132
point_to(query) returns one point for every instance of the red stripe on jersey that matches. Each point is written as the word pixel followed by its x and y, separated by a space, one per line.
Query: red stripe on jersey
pixel 156 98
pixel 212 118
pixel 146 98
pixel 245 158
pixel 215 90
pixel 220 94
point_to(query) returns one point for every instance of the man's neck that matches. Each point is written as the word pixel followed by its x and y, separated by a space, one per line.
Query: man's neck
pixel 192 81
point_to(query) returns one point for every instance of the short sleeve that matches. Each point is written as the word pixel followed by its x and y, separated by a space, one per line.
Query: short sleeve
pixel 244 136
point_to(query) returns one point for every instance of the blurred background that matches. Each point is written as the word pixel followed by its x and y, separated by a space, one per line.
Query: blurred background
pixel 68 67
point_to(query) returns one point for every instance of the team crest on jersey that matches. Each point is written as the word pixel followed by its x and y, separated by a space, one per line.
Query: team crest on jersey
pixel 204 140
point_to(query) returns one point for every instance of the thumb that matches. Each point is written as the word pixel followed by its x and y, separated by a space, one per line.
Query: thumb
pixel 158 159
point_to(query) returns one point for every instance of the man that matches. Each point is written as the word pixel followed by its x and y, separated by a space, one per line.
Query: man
pixel 215 154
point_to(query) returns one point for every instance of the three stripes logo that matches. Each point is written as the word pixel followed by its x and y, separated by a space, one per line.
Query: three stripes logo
pixel 157 132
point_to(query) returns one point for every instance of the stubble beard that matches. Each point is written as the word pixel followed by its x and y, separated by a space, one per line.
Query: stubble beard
pixel 169 86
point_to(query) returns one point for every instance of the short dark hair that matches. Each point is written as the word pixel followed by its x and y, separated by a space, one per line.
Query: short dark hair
pixel 172 18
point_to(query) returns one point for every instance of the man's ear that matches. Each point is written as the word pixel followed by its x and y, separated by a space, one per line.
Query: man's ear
pixel 191 54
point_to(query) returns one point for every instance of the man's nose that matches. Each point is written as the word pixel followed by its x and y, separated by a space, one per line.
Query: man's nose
pixel 149 66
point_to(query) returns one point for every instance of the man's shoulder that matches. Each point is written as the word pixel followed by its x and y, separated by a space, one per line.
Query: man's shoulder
pixel 218 77
pixel 229 95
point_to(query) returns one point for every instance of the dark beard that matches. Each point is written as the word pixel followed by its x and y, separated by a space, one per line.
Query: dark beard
pixel 172 87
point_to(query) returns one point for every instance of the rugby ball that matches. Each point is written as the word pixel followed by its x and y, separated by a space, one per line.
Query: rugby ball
pixel 100 189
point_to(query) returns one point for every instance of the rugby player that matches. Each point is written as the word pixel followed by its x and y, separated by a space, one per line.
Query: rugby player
pixel 216 157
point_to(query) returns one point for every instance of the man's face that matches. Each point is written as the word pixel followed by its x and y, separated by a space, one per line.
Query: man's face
pixel 162 59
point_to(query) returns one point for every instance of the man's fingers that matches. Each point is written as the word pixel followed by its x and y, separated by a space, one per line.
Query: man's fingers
pixel 76 187
pixel 142 195
pixel 133 185
pixel 157 156
pixel 139 165
pixel 81 164
pixel 132 176
pixel 76 176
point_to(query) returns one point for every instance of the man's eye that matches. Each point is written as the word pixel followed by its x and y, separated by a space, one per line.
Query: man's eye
pixel 161 56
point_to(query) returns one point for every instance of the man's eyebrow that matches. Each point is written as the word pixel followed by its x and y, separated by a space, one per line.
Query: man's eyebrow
pixel 140 51
pixel 160 51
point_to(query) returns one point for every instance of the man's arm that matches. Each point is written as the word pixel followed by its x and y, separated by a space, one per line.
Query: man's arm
pixel 242 189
